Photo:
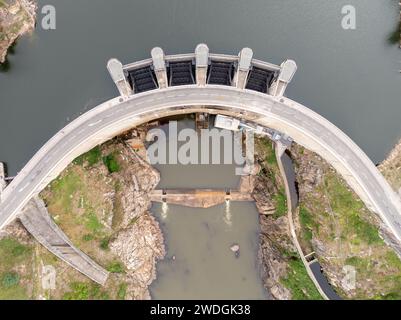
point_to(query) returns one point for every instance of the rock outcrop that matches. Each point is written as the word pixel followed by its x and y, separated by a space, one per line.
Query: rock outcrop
pixel 139 246
pixel 139 241
pixel 17 17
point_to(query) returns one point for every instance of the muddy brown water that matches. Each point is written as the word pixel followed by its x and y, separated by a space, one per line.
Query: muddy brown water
pixel 199 263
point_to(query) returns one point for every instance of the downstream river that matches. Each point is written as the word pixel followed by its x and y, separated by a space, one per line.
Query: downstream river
pixel 199 263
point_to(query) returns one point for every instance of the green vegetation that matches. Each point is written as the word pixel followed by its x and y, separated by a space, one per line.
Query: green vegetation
pixel 298 281
pixel 85 291
pixel 88 237
pixel 334 216
pixel 359 263
pixel 13 254
pixel 80 291
pixel 270 154
pixel 281 204
pixel 92 223
pixel 307 223
pixel 271 157
pixel 122 291
pixel 104 243
pixel 115 267
pixel 9 279
pixel 349 210
pixel 92 157
pixel 63 189
pixel 14 292
pixel 111 163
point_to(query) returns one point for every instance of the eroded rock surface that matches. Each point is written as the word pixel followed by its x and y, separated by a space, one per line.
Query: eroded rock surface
pixel 17 17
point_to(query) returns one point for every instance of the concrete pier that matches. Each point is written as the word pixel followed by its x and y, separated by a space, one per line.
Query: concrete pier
pixel 3 182
pixel 278 87
pixel 243 67
pixel 115 69
pixel 202 62
pixel 159 66
pixel 40 225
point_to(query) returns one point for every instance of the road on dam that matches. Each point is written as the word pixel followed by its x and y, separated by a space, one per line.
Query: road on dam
pixel 116 115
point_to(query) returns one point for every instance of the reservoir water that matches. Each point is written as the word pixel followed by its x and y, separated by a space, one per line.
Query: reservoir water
pixel 349 76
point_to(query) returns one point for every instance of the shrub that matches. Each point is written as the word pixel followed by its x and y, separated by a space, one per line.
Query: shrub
pixel 122 291
pixel 12 248
pixel 92 222
pixel 104 243
pixel 80 291
pixel 92 157
pixel 115 267
pixel 10 279
pixel 281 204
pixel 88 237
pixel 111 163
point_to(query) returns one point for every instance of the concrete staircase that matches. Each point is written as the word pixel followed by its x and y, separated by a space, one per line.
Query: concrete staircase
pixel 38 222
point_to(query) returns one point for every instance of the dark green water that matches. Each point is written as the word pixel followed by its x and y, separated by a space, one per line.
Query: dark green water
pixel 350 77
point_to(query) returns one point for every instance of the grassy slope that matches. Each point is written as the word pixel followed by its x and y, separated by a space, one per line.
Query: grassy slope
pixel 296 279
pixel 15 269
pixel 76 201
pixel 335 217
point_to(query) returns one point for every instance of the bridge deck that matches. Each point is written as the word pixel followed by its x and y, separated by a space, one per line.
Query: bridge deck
pixel 38 222
pixel 198 198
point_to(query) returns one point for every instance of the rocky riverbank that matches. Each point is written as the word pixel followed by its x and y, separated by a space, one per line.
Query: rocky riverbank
pixel 17 17
pixel 101 201
pixel 283 273
pixel 346 237
pixel 332 222
pixel 391 168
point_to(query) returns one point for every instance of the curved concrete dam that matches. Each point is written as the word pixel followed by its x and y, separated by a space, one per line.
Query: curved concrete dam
pixel 334 77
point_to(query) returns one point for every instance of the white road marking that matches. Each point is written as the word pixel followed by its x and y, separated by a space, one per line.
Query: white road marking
pixel 94 123
pixel 23 188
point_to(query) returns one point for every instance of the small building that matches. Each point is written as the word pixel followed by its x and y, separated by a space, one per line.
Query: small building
pixel 228 123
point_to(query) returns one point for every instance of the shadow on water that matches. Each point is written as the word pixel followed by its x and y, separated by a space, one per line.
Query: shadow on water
pixel 6 65
pixel 395 36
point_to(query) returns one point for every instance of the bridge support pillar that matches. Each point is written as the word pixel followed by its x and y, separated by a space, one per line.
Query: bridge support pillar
pixel 288 69
pixel 3 182
pixel 280 148
pixel 116 71
pixel 202 62
pixel 159 66
pixel 244 65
